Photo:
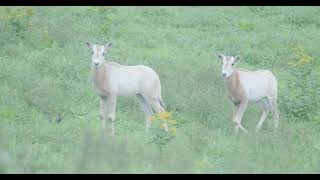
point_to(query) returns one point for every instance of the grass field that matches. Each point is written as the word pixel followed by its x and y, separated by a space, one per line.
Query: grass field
pixel 49 112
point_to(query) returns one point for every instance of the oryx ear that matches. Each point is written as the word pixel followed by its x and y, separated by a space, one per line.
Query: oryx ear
pixel 237 59
pixel 220 56
pixel 89 45
pixel 108 45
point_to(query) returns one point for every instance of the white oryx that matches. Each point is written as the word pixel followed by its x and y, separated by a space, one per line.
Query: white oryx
pixel 111 79
pixel 244 86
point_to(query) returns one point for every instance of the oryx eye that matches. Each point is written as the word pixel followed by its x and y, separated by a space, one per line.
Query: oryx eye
pixel 103 53
pixel 232 64
pixel 91 52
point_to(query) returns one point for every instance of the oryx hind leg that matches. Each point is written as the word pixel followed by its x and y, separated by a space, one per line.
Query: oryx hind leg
pixel 156 105
pixel 265 108
pixel 145 106
pixel 275 112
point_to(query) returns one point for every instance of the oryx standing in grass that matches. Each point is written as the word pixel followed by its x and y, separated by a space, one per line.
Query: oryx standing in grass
pixel 111 80
pixel 244 86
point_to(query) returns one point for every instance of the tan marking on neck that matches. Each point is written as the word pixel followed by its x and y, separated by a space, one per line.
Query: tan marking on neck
pixel 234 86
pixel 100 79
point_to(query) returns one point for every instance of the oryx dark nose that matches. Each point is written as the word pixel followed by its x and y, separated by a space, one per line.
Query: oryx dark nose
pixel 96 63
pixel 224 74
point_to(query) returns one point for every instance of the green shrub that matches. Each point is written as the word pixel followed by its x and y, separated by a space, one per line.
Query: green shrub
pixel 301 18
pixel 163 129
pixel 105 14
pixel 18 18
pixel 301 96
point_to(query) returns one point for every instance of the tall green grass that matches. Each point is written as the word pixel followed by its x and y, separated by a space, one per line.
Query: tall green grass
pixel 49 120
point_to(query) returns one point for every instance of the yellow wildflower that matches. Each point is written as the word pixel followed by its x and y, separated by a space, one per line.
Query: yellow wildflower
pixel 304 60
pixel 173 130
pixel 163 119
pixel 302 56
pixel 46 33
pixel 165 115
pixel 29 12
pixel 202 164
pixel 162 126
pixel 172 122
